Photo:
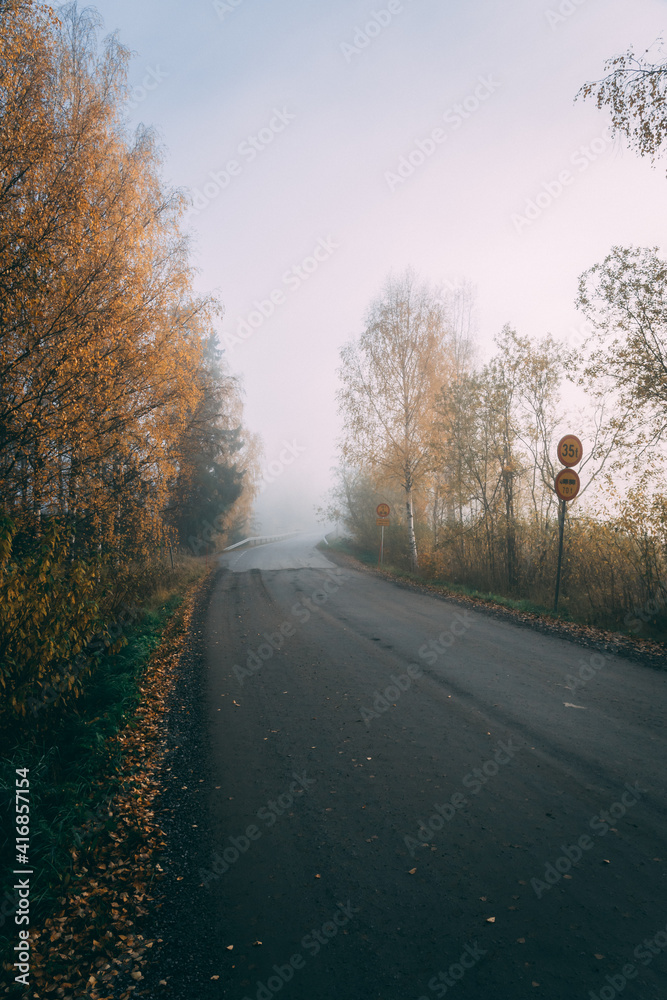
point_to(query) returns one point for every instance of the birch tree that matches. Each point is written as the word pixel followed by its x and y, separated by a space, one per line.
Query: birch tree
pixel 390 378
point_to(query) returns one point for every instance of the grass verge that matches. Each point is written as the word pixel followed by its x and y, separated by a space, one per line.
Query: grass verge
pixel 524 612
pixel 90 795
pixel 346 547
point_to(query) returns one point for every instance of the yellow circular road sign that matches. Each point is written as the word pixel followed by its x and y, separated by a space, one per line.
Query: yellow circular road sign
pixel 567 484
pixel 382 510
pixel 570 450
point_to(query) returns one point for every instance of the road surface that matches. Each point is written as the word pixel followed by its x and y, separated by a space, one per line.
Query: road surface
pixel 408 800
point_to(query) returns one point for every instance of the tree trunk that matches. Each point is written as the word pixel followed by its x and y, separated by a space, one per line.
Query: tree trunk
pixel 414 562
pixel 510 535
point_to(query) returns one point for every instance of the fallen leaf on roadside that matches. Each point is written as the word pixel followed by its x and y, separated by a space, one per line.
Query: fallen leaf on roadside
pixel 490 920
pixel 412 871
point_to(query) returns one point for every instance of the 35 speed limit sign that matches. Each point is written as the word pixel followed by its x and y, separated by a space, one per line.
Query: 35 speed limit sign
pixel 570 450
pixel 567 484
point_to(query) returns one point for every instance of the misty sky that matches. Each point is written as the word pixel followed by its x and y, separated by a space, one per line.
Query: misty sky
pixel 289 122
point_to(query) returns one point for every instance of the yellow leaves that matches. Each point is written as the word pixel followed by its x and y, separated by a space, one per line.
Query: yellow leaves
pixel 101 351
pixel 114 874
pixel 40 645
pixel 105 350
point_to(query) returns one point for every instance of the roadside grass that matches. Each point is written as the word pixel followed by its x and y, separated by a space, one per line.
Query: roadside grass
pixel 655 631
pixel 347 547
pixel 74 772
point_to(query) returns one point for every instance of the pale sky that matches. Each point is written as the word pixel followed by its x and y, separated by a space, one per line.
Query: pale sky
pixel 305 113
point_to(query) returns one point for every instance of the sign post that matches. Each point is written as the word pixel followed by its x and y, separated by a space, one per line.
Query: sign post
pixel 382 510
pixel 567 485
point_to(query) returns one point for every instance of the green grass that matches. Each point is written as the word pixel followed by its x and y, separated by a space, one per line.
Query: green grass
pixel 69 759
pixel 346 546
pixel 507 602
pixel 654 629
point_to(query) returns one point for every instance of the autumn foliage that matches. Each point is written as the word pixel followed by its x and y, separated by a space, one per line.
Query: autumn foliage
pixel 106 363
pixel 472 446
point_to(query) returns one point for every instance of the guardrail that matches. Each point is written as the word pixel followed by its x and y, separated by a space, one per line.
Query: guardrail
pixel 260 540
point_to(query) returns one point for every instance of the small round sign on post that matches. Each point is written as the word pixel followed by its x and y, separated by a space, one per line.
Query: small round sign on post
pixel 567 484
pixel 382 510
pixel 570 450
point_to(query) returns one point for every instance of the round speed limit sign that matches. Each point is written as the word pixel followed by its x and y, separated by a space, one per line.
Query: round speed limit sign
pixel 382 510
pixel 570 450
pixel 567 484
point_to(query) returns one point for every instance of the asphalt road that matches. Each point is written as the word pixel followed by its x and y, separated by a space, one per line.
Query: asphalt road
pixel 336 732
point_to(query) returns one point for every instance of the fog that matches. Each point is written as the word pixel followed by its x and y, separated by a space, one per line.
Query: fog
pixel 326 145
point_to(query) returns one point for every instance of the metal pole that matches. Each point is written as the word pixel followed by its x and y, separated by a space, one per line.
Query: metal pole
pixel 382 545
pixel 561 520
